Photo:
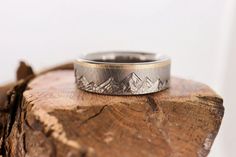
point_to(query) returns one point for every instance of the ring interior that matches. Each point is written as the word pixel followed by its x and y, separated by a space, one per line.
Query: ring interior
pixel 123 57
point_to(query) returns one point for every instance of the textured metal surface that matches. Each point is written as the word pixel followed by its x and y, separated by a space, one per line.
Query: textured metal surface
pixel 123 73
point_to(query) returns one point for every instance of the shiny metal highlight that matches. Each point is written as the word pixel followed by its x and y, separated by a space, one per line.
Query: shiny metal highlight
pixel 123 73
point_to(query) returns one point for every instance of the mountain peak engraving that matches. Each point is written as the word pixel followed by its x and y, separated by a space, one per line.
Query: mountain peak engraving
pixel 145 86
pixel 132 76
pixel 131 84
pixel 82 81
pixel 108 86
pixel 91 86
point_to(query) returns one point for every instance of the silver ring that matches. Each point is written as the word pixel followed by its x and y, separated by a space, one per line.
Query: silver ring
pixel 123 73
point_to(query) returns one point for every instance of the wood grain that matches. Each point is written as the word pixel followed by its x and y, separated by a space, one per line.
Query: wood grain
pixel 55 118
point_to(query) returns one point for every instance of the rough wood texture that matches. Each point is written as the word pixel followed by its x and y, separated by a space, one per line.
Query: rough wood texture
pixel 3 109
pixel 10 99
pixel 54 118
pixel 9 95
pixel 23 71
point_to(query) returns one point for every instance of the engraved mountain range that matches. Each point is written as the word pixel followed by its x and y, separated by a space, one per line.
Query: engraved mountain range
pixel 131 84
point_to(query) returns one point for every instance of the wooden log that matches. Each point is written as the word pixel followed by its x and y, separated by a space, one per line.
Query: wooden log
pixel 12 92
pixel 8 96
pixel 54 118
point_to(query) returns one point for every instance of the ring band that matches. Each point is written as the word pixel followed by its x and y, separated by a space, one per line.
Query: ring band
pixel 123 73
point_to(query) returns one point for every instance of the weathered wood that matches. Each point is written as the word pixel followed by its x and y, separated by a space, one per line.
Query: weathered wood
pixel 23 71
pixel 54 118
pixel 3 109
pixel 11 95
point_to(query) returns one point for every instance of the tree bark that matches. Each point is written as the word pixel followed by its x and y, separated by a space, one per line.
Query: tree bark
pixel 48 116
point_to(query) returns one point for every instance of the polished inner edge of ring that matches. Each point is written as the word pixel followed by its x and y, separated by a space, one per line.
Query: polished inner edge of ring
pixel 123 57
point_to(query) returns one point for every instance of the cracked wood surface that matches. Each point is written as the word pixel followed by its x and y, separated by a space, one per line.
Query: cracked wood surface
pixel 57 119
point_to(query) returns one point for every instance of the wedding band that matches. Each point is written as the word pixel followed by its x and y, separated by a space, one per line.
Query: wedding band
pixel 123 73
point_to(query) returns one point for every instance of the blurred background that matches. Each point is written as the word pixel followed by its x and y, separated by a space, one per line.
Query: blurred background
pixel 200 37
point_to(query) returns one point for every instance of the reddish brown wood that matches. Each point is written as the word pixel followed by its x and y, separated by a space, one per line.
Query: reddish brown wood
pixel 54 118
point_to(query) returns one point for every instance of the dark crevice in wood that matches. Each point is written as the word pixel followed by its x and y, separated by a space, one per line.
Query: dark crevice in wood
pixel 13 104
pixel 83 153
pixel 26 121
pixel 151 102
pixel 53 148
pixel 213 99
pixel 48 133
pixel 93 116
pixel 28 125
pixel 24 143
pixel 14 101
